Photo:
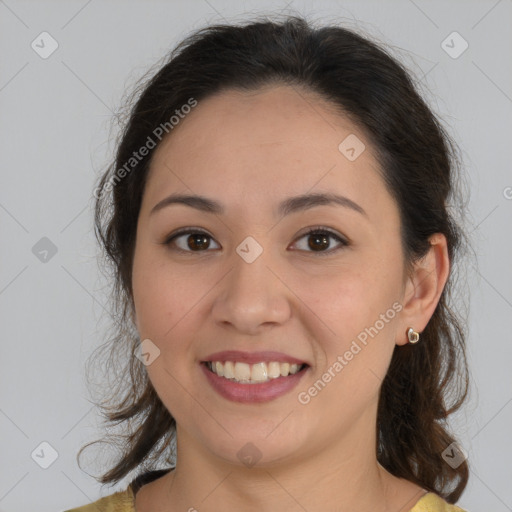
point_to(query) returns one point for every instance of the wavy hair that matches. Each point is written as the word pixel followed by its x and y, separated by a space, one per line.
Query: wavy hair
pixel 426 382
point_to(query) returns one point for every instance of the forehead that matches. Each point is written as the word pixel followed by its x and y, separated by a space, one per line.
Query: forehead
pixel 298 120
pixel 262 144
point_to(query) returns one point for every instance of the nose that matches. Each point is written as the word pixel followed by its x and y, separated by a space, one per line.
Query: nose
pixel 252 297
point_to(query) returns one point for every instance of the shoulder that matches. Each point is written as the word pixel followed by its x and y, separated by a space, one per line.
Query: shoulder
pixel 122 501
pixel 431 502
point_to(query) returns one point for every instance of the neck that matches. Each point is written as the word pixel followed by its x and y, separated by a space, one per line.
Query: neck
pixel 343 477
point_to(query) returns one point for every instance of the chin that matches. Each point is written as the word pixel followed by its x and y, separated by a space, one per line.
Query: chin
pixel 254 447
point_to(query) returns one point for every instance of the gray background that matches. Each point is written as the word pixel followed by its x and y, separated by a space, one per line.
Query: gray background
pixel 54 140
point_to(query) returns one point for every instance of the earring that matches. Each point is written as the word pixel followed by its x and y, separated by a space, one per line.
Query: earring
pixel 412 335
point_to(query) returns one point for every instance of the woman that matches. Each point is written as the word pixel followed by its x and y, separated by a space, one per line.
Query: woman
pixel 283 256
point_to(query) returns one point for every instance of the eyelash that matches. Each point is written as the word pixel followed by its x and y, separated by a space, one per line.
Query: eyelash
pixel 317 230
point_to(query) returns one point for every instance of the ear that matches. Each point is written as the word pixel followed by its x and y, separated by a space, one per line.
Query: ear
pixel 423 288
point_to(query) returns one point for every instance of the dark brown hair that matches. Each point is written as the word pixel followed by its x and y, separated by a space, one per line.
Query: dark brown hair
pixel 418 163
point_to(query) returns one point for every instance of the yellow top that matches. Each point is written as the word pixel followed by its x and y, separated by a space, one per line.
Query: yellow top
pixel 123 501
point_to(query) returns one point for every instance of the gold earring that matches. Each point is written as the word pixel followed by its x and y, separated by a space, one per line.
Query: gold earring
pixel 413 335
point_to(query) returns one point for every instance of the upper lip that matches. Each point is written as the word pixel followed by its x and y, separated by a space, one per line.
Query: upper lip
pixel 253 357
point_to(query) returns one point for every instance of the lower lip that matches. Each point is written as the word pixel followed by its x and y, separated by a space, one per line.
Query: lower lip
pixel 262 392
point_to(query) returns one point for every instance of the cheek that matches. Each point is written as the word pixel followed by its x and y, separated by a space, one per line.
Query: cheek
pixel 356 310
pixel 362 313
pixel 162 297
pixel 164 304
pixel 169 311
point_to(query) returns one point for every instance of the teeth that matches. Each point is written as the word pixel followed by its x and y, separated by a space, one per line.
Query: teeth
pixel 274 370
pixel 252 374
pixel 229 370
pixel 242 371
pixel 259 372
pixel 219 369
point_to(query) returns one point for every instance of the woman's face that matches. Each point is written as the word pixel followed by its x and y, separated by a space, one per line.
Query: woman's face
pixel 255 282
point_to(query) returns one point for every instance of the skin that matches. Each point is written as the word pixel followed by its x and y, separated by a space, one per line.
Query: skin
pixel 249 151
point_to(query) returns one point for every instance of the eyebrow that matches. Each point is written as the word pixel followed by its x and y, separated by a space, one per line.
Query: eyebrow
pixel 289 205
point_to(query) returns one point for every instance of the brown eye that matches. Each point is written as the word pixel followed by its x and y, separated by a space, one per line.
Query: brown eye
pixel 190 241
pixel 319 240
pixel 198 241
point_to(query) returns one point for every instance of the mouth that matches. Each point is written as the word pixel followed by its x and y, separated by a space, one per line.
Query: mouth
pixel 257 373
pixel 251 377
